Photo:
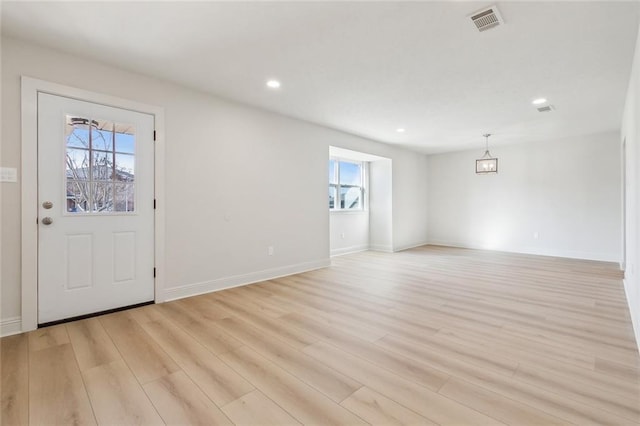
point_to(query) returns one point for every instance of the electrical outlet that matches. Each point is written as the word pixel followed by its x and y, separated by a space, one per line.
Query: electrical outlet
pixel 270 250
pixel 536 235
pixel 342 235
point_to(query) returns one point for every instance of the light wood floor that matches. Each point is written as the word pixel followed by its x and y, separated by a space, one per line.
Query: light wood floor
pixel 426 336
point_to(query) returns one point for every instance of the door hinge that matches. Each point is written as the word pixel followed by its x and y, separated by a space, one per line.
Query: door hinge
pixel 154 203
pixel 154 135
pixel 154 272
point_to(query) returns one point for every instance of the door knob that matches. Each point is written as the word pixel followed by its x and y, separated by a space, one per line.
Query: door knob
pixel 47 205
pixel 47 220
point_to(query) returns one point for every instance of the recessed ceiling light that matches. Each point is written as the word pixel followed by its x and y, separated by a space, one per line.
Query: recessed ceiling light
pixel 274 84
pixel 400 130
pixel 539 101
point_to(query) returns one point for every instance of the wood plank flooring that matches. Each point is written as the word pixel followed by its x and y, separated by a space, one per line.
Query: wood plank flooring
pixel 431 335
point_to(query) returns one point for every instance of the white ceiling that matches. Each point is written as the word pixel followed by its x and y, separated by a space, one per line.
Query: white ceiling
pixel 370 67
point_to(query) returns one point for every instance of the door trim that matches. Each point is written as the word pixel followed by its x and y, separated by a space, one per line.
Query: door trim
pixel 30 88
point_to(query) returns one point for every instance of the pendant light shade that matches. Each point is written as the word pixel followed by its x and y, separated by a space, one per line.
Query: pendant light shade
pixel 486 164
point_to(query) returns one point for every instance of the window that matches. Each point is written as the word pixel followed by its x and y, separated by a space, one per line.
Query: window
pixel 100 166
pixel 346 184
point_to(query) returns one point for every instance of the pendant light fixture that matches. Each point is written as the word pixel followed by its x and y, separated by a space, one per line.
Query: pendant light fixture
pixel 487 164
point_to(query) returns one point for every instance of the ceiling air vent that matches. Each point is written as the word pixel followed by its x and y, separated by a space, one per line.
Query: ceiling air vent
pixel 547 108
pixel 487 18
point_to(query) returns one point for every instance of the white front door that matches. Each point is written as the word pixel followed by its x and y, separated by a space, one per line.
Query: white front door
pixel 96 208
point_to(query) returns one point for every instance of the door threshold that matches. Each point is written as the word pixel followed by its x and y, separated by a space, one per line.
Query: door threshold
pixel 94 314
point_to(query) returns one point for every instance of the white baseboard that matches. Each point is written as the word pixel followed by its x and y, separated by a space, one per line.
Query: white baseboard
pixel 391 249
pixel 349 250
pixel 375 247
pixel 570 254
pixel 382 248
pixel 409 246
pixel 634 313
pixel 9 326
pixel 240 280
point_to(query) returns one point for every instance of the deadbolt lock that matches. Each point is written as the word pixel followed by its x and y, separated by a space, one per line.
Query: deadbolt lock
pixel 47 205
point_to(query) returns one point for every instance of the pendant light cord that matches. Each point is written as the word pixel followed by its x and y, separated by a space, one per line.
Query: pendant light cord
pixel 486 152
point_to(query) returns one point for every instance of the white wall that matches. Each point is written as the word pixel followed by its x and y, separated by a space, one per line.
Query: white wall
pixel 566 191
pixel 349 232
pixel 631 133
pixel 226 166
pixel 380 205
pixel 410 204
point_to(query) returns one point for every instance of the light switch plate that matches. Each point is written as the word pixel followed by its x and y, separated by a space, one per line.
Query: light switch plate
pixel 8 174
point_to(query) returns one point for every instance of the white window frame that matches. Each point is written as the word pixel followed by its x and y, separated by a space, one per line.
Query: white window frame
pixel 363 185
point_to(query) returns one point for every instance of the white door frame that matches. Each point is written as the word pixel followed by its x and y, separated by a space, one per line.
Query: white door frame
pixel 29 267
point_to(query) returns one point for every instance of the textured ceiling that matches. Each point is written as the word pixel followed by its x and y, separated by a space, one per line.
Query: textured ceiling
pixel 370 67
